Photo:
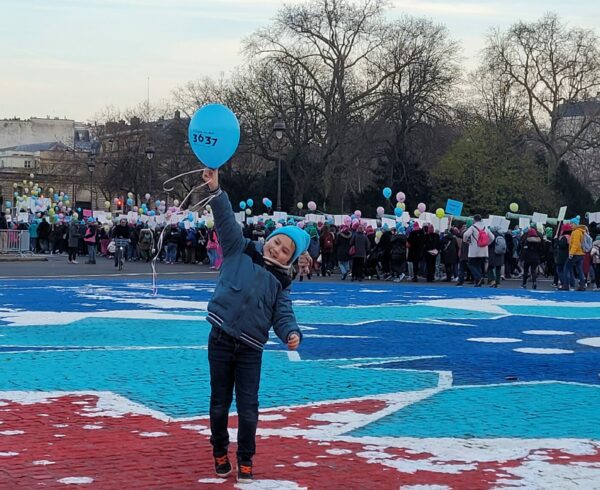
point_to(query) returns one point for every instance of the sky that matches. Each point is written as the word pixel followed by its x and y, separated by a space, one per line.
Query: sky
pixel 73 58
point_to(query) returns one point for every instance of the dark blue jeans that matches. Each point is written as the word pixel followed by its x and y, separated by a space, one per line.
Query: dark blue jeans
pixel 233 365
pixel 476 266
pixel 576 266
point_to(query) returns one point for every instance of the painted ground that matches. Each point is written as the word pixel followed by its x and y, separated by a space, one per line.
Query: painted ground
pixel 104 386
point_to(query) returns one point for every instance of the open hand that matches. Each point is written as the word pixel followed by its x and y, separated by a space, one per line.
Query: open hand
pixel 211 177
pixel 293 341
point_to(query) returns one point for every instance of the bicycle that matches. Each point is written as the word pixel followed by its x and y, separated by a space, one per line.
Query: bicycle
pixel 120 245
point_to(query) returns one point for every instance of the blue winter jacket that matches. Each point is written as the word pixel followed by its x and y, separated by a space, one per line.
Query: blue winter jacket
pixel 248 298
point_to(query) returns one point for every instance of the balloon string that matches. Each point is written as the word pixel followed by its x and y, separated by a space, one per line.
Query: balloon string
pixel 200 205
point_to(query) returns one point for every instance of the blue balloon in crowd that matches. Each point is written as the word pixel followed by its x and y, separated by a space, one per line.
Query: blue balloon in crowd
pixel 16 194
pixel 56 197
pixel 152 213
pixel 387 192
pixel 190 217
pixel 214 134
pixel 249 203
pixel 79 210
pixel 398 212
pixel 8 204
pixel 269 203
pixel 242 205
pixel 157 203
pixel 129 201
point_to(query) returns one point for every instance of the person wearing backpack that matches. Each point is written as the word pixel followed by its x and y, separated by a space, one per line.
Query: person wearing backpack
pixel 496 251
pixel 561 257
pixel 478 236
pixel 577 251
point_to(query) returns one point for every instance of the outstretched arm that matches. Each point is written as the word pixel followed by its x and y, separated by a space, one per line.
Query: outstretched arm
pixel 229 231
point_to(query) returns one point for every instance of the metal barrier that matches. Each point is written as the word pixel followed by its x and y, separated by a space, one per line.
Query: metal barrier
pixel 14 241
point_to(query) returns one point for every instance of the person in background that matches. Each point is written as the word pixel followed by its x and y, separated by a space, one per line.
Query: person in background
pixel 73 236
pixel 361 245
pixel 531 253
pixel 432 246
pixel 496 252
pixel 91 239
pixel 416 248
pixel 342 246
pixel 478 242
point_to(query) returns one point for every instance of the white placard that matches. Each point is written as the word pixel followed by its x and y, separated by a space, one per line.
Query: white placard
pixel 371 222
pixel 161 219
pixel 319 218
pixel 174 219
pixel 444 223
pixel 562 212
pixel 427 217
pixel 250 220
pixel 240 217
pixel 144 218
pixel 487 222
pixel 338 219
pixel 405 217
pixel 524 222
pixel 593 217
pixel 539 218
pixel 277 215
pixel 23 218
pixel 496 220
pixel 504 225
pixel 389 222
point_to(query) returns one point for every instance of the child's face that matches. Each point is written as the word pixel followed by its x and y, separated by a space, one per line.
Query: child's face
pixel 279 248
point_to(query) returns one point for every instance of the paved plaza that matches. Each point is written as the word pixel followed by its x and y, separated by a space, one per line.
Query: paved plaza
pixel 104 386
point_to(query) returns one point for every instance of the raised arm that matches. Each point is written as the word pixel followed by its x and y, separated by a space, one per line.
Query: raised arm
pixel 228 230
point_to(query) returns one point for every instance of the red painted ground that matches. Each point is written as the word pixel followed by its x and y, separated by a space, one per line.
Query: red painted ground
pixel 118 455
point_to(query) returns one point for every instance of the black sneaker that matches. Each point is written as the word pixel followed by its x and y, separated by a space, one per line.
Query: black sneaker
pixel 245 473
pixel 222 466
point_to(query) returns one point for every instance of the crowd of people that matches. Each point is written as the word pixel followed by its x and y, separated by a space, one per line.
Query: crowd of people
pixel 470 253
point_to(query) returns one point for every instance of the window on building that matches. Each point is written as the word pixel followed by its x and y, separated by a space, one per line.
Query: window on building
pixel 27 164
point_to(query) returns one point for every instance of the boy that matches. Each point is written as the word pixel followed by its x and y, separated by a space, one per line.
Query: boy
pixel 251 295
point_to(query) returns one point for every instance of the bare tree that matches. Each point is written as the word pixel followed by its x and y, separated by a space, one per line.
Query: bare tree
pixel 553 67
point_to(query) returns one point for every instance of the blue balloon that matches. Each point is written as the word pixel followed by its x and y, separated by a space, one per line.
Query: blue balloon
pixel 387 192
pixel 269 203
pixel 144 205
pixel 129 202
pixel 249 203
pixel 398 212
pixel 242 205
pixel 214 134
pixel 157 203
pixel 8 204
pixel 190 216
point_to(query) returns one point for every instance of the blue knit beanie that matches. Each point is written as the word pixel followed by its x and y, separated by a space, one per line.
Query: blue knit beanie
pixel 300 238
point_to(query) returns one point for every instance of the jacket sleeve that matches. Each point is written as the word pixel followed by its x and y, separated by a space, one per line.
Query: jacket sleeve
pixel 467 234
pixel 284 319
pixel 229 232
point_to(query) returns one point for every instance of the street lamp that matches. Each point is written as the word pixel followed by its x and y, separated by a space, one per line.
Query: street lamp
pixel 91 165
pixel 279 129
pixel 150 156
